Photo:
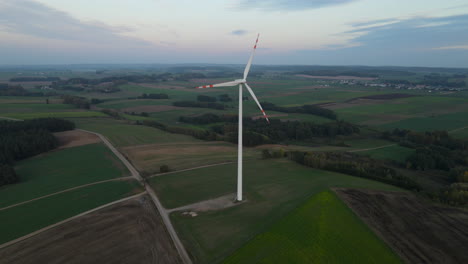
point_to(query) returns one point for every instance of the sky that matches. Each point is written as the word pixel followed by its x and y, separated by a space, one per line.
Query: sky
pixel 431 33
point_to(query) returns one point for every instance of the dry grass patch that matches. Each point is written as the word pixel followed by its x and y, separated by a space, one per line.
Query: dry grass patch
pixel 74 138
pixel 178 156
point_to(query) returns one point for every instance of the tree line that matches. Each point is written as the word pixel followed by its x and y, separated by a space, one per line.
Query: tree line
pixel 77 101
pixel 211 105
pixel 206 98
pixel 353 164
pixel 434 150
pixel 20 140
pixel 304 109
pixel 280 131
pixel 154 96
pixel 257 132
pixel 34 79
pixel 17 90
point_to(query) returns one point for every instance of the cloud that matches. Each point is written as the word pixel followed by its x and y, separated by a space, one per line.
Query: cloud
pixel 415 33
pixel 31 18
pixel 289 5
pixel 457 47
pixel 239 32
pixel 371 23
pixel 417 41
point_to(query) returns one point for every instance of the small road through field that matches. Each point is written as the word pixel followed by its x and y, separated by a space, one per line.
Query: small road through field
pixel 359 150
pixel 67 190
pixel 194 168
pixel 458 129
pixel 67 220
pixel 162 211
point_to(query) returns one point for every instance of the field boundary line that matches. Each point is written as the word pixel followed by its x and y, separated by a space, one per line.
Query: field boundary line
pixel 66 190
pixel 162 211
pixel 119 155
pixel 359 150
pixel 11 118
pixel 68 219
pixel 189 169
pixel 457 129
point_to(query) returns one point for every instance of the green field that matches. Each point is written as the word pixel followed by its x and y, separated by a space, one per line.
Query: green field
pixel 367 143
pixel 132 103
pixel 433 122
pixel 322 230
pixel 59 170
pixel 178 156
pixel 460 133
pixel 272 188
pixel 24 219
pixel 122 134
pixel 75 114
pixel 395 153
pixel 32 107
pixel 404 108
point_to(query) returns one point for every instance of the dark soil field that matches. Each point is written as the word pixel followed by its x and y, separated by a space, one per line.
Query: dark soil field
pixel 416 230
pixel 127 232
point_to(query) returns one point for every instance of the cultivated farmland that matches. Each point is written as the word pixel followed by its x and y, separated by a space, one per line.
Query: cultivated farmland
pixel 59 170
pixel 280 188
pixel 16 221
pixel 416 230
pixel 322 230
pixel 109 235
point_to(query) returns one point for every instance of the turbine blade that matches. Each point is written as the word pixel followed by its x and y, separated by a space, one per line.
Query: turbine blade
pixel 256 100
pixel 225 84
pixel 249 63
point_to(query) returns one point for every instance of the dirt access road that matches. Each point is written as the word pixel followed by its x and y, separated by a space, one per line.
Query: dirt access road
pixel 418 231
pixel 162 211
pixel 127 232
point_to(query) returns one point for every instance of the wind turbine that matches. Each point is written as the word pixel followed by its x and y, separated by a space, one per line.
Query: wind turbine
pixel 241 82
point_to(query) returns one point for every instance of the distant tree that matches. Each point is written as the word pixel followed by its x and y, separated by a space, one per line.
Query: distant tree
pixel 206 98
pixel 7 175
pixel 164 168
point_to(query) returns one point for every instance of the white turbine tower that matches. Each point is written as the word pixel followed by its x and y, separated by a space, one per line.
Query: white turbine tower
pixel 241 82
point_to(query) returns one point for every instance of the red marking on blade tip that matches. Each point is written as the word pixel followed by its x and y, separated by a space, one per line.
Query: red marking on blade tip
pixel 211 85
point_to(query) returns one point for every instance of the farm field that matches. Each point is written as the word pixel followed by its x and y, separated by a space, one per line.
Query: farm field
pixel 322 230
pixel 390 111
pixel 109 235
pixel 178 156
pixel 128 104
pixel 17 221
pixel 417 230
pixel 9 107
pixel 59 170
pixel 460 133
pixel 74 114
pixel 396 153
pixel 430 123
pixel 291 213
pixel 122 134
pixel 280 188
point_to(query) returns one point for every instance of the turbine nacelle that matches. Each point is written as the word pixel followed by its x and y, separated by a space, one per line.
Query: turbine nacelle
pixel 241 81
